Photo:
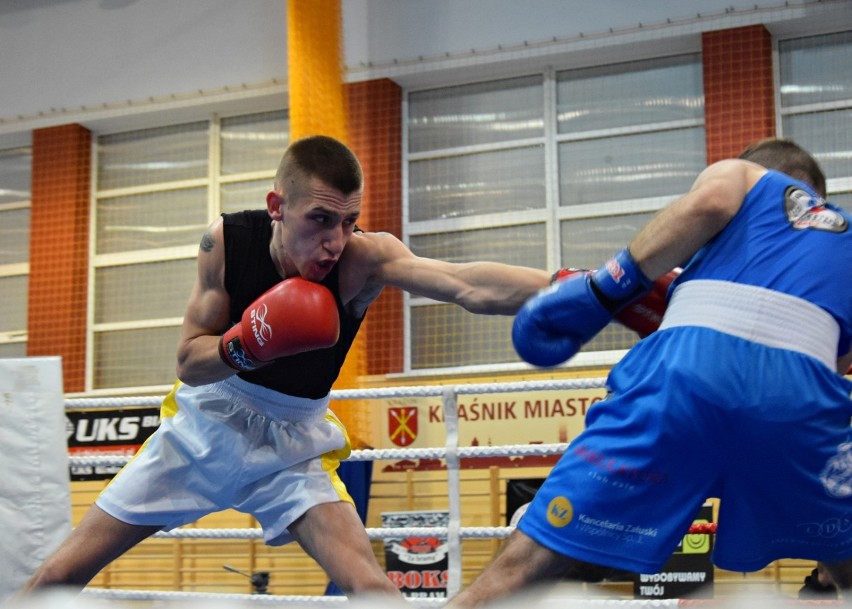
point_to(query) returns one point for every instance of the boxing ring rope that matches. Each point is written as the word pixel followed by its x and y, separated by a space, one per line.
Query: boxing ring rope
pixel 425 603
pixel 381 392
pixel 451 452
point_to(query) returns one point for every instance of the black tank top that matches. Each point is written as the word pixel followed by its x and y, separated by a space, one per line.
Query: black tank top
pixel 249 272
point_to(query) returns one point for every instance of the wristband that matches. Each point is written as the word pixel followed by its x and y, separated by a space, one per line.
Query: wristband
pixel 619 281
pixel 232 353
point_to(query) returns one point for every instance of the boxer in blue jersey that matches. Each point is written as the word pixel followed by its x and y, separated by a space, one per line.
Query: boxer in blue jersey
pixel 737 396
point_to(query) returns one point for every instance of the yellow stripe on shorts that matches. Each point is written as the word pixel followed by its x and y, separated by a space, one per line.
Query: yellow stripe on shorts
pixel 331 460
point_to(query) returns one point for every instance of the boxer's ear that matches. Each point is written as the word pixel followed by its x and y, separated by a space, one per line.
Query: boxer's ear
pixel 274 202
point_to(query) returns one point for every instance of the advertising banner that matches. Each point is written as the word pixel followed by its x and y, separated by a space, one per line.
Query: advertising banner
pixel 417 565
pixel 95 433
pixel 689 571
pixel 487 419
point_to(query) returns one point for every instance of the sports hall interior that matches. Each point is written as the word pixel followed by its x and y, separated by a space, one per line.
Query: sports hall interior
pixel 541 133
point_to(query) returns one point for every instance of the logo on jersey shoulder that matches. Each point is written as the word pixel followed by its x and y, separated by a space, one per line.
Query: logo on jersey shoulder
pixel 805 211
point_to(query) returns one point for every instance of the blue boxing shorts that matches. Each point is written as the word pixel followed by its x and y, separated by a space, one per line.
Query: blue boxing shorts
pixel 692 413
pixel 237 445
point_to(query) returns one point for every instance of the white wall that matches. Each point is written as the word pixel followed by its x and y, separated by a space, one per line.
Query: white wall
pixel 70 53
pixel 76 60
pixel 404 29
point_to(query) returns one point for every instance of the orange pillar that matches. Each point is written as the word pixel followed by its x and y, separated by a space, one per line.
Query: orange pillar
pixel 317 101
pixel 59 249
pixel 315 68
pixel 739 99
pixel 375 128
pixel 318 106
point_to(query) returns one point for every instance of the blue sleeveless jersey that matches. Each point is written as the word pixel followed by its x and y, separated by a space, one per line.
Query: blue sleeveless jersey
pixel 780 218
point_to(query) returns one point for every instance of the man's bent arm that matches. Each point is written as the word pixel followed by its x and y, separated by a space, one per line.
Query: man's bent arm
pixel 675 234
pixel 206 316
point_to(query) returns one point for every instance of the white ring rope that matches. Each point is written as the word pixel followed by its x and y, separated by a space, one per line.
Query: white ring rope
pixel 451 452
pixel 164 595
pixel 317 601
pixel 382 392
pixel 375 534
pixel 380 454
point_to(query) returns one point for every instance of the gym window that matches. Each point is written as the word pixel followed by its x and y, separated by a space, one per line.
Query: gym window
pixel 157 190
pixel 816 105
pixel 547 170
pixel 15 172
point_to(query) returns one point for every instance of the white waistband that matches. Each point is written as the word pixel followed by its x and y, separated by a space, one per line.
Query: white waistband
pixel 268 402
pixel 756 314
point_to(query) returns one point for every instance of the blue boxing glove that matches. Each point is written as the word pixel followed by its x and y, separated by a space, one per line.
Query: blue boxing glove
pixel 553 325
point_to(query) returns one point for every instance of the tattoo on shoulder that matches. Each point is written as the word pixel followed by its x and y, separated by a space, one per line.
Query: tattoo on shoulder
pixel 207 242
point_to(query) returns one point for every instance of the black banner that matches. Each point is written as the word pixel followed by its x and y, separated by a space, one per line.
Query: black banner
pixel 519 492
pixel 417 565
pixel 98 433
pixel 689 571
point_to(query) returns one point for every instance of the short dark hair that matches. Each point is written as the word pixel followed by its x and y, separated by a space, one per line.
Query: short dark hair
pixel 322 157
pixel 788 157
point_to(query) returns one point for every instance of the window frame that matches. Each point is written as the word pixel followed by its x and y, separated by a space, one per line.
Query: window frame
pixel 552 214
pixel 834 185
pixel 213 181
pixel 17 336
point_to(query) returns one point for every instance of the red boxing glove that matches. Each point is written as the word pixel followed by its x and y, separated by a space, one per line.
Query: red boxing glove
pixel 644 314
pixel 293 316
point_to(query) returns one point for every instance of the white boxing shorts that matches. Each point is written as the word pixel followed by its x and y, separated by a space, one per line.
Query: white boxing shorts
pixel 233 445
